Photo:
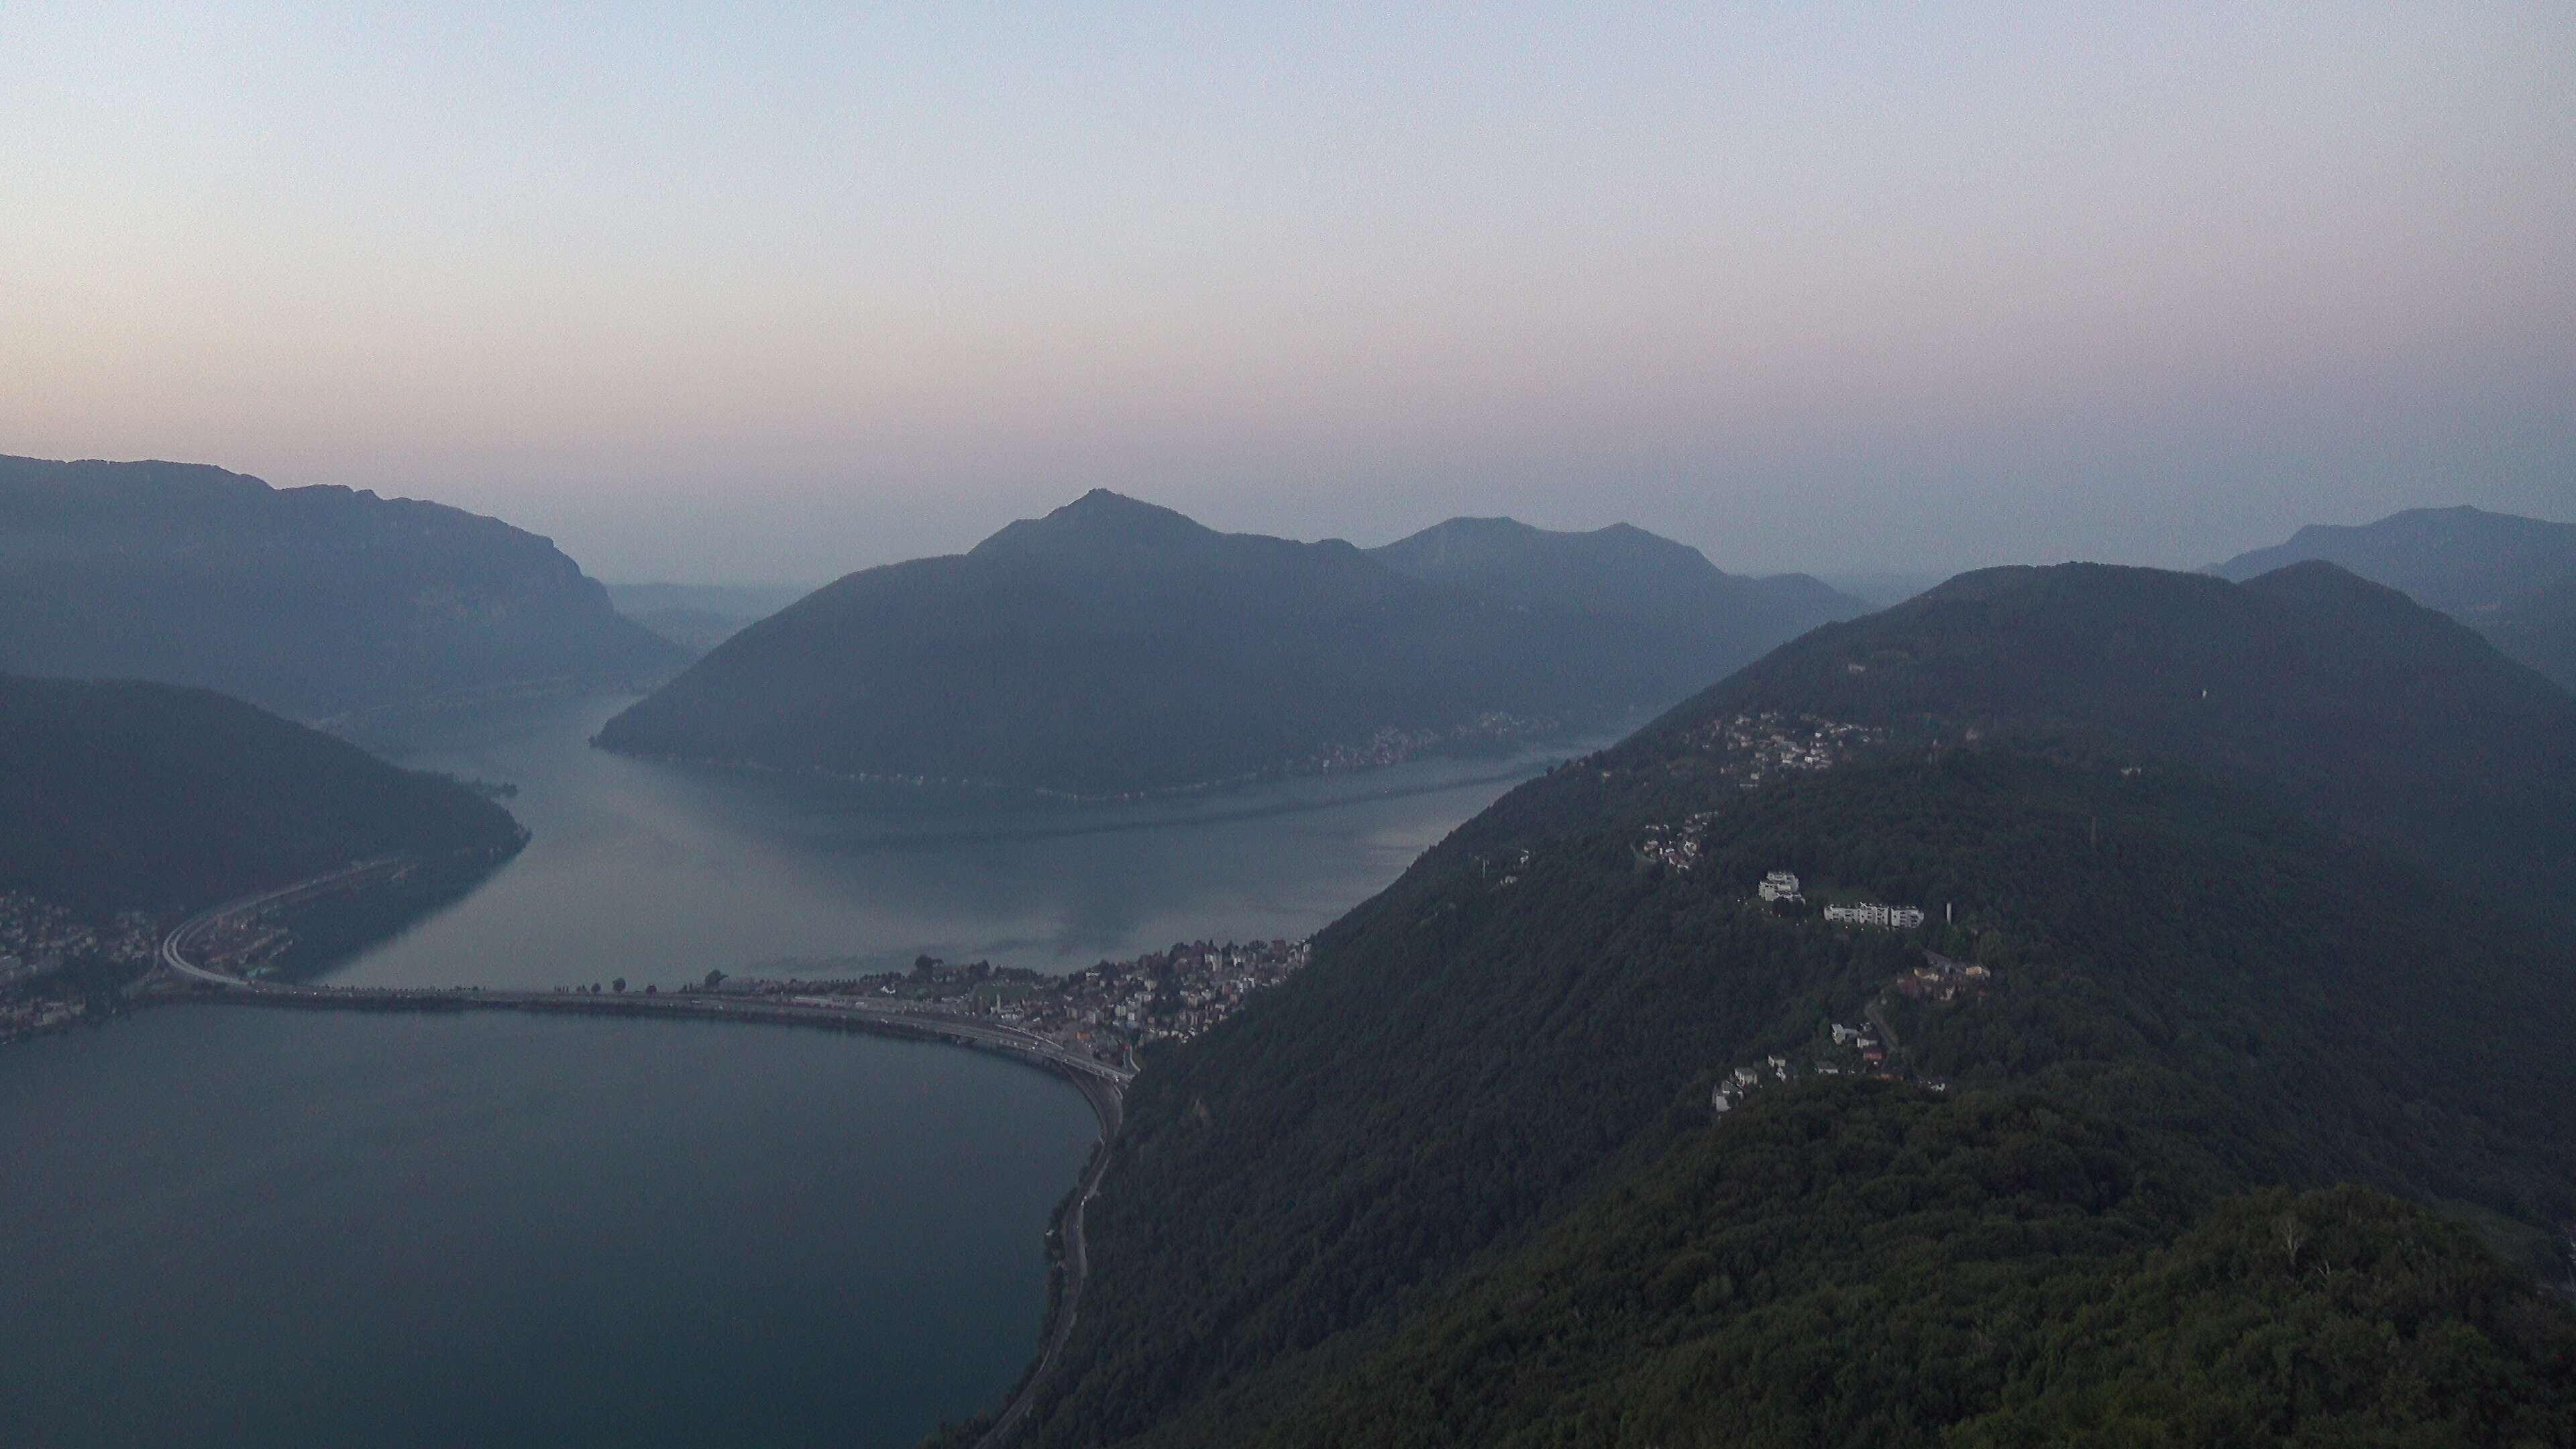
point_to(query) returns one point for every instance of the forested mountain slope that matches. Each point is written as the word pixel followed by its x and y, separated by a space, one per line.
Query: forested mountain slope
pixel 1115 647
pixel 309 601
pixel 1462 1181
pixel 2512 579
pixel 2367 711
pixel 131 796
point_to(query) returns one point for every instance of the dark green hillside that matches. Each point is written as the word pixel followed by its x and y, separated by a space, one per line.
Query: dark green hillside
pixel 1860 1265
pixel 2376 715
pixel 2196 996
pixel 1113 647
pixel 309 601
pixel 2511 579
pixel 151 797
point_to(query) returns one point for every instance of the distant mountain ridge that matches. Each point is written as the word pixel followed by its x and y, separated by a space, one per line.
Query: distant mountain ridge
pixel 1115 646
pixel 309 601
pixel 2510 578
pixel 1621 569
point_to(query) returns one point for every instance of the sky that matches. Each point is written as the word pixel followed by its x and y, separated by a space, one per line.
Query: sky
pixel 738 293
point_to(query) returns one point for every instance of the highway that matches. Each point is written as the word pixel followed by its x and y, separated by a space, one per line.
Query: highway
pixel 175 946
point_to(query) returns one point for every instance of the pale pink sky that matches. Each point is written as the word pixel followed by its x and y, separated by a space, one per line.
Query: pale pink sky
pixel 711 297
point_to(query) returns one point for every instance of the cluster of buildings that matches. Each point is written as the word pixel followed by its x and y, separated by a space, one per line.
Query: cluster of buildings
pixel 1677 846
pixel 1391 746
pixel 1780 887
pixel 1872 913
pixel 39 940
pixel 25 1015
pixel 1757 747
pixel 1941 979
pixel 33 929
pixel 1853 1051
pixel 1861 1051
pixel 1104 1011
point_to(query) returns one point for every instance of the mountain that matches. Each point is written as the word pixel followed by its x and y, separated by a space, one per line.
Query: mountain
pixel 312 602
pixel 2250 1124
pixel 1665 600
pixel 1114 646
pixel 2512 579
pixel 2368 712
pixel 131 796
pixel 1610 571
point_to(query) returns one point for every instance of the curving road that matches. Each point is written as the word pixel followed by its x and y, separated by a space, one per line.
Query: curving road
pixel 176 946
pixel 1077 1265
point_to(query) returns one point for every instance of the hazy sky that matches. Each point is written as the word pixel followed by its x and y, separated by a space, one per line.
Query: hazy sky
pixel 743 292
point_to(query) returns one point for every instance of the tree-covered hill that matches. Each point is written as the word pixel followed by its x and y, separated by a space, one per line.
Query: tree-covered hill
pixel 2512 579
pixel 2219 997
pixel 1114 647
pixel 313 602
pixel 1462 1180
pixel 130 796
pixel 2372 713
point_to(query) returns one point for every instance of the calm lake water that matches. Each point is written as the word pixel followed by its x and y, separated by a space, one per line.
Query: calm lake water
pixel 248 1227
pixel 657 873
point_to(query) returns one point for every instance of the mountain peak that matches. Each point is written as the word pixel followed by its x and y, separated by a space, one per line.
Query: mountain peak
pixel 1098 521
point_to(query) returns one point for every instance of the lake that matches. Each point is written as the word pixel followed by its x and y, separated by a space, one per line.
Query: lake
pixel 244 1227
pixel 235 1226
pixel 657 873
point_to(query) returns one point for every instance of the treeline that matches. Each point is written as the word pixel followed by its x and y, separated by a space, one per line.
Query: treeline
pixel 1854 1263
